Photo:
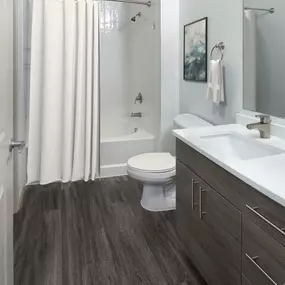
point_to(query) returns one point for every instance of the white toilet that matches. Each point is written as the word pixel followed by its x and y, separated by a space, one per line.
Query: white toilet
pixel 156 171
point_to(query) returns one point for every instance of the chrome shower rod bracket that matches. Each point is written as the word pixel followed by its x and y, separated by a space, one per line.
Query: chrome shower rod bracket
pixel 271 10
pixel 148 3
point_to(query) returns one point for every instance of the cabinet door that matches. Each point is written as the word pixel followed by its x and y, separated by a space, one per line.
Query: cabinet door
pixel 211 231
pixel 186 199
pixel 220 237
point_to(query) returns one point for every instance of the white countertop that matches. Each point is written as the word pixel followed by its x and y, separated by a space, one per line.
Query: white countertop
pixel 265 174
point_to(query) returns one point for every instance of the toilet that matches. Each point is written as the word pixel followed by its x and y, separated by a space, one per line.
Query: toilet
pixel 156 171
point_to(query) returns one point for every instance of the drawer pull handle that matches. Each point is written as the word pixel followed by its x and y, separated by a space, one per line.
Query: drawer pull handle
pixel 193 183
pixel 282 231
pixel 200 200
pixel 253 260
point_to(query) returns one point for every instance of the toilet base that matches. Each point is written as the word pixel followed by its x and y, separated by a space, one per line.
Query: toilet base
pixel 157 198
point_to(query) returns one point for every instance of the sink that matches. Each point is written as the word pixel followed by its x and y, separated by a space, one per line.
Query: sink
pixel 240 147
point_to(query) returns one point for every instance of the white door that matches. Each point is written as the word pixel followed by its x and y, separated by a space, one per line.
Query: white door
pixel 6 133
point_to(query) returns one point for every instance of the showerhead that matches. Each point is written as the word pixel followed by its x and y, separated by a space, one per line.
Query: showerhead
pixel 134 18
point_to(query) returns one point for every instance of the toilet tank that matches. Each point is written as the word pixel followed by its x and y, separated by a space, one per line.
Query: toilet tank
pixel 186 121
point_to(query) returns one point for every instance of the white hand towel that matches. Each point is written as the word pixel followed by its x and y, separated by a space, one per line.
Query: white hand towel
pixel 215 90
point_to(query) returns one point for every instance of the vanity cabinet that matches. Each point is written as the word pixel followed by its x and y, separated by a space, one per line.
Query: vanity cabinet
pixel 233 233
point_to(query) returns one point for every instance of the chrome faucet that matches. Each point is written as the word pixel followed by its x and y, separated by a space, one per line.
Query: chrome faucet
pixel 264 126
pixel 136 115
pixel 139 98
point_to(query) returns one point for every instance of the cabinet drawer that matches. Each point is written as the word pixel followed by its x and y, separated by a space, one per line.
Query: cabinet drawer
pixel 267 214
pixel 263 256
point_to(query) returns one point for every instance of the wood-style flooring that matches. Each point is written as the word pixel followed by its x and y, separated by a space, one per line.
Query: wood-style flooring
pixel 96 233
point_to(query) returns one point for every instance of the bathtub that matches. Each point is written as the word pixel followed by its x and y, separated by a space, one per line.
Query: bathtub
pixel 118 145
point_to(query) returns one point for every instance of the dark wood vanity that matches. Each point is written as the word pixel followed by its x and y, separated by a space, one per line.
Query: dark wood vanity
pixel 233 233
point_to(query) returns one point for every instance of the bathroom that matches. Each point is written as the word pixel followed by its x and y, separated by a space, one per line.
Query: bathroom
pixel 142 142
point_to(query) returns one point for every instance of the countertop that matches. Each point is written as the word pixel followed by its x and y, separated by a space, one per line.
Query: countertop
pixel 265 174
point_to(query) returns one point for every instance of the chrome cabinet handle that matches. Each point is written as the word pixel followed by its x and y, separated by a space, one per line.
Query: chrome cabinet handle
pixel 201 213
pixel 282 231
pixel 253 260
pixel 193 183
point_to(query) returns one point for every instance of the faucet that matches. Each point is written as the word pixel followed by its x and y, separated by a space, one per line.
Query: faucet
pixel 264 126
pixel 136 115
pixel 139 98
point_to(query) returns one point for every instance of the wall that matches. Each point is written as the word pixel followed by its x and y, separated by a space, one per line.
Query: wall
pixel 225 23
pixel 169 72
pixel 270 57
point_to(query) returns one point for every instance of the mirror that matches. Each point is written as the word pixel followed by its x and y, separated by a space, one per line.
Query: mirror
pixel 264 56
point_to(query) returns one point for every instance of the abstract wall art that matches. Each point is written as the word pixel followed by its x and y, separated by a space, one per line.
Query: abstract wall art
pixel 195 51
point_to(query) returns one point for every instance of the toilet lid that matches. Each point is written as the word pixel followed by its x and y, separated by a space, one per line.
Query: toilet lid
pixel 153 162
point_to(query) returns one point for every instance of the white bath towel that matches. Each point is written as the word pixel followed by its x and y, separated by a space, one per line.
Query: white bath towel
pixel 216 92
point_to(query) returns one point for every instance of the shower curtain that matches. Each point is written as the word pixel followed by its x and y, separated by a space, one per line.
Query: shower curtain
pixel 64 98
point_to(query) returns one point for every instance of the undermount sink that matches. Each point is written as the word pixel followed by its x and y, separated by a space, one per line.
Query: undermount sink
pixel 240 147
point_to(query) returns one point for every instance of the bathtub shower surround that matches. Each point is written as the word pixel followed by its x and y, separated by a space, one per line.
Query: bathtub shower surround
pixel 129 71
pixel 64 98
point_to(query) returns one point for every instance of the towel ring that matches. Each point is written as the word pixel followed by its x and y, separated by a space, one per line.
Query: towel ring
pixel 220 46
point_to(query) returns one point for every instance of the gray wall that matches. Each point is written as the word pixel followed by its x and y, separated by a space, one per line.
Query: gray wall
pixel 225 23
pixel 270 47
pixel 169 73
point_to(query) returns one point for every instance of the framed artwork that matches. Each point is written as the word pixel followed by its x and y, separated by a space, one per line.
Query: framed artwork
pixel 195 50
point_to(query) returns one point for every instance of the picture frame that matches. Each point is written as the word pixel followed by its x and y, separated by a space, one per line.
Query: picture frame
pixel 195 54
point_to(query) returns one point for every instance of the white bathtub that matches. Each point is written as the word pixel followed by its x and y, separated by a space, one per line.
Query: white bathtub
pixel 124 143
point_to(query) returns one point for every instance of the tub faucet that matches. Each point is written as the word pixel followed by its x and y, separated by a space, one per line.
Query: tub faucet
pixel 139 98
pixel 264 126
pixel 136 115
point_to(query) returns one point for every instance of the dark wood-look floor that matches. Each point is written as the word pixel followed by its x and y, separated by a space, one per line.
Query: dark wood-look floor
pixel 96 233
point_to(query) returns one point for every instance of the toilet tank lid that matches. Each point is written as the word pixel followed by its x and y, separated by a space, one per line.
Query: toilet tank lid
pixel 185 121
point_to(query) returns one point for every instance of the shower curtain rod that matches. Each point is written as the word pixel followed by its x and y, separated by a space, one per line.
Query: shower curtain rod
pixel 148 4
pixel 271 10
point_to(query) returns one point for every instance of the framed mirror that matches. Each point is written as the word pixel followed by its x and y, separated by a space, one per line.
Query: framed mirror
pixel 264 56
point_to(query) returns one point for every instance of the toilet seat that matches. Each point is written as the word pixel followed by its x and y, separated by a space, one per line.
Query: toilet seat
pixel 161 162
pixel 149 177
pixel 152 167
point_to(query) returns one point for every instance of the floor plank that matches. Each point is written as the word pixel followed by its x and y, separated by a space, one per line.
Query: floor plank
pixel 96 233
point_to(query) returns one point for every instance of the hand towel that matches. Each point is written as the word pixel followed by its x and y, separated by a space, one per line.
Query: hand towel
pixel 215 90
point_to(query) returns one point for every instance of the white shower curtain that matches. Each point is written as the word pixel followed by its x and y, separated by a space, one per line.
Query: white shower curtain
pixel 64 98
